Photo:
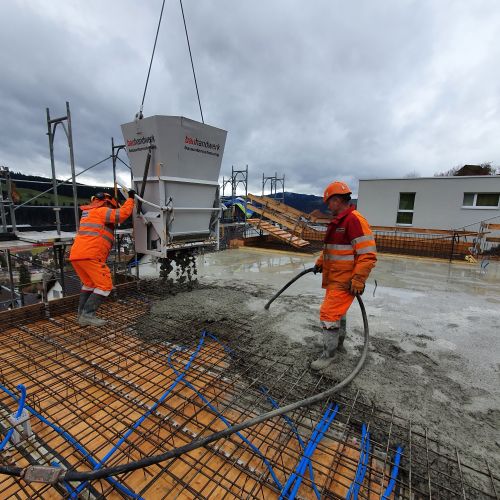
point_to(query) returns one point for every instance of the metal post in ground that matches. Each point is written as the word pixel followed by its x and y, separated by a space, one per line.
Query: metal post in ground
pixel 246 201
pixel 72 162
pixel 452 246
pixel 115 186
pixel 59 262
pixel 50 133
pixel 218 215
pixel 11 280
pixel 62 249
pixel 44 289
pixel 2 205
pixel 137 265
pixel 239 177
pixel 11 202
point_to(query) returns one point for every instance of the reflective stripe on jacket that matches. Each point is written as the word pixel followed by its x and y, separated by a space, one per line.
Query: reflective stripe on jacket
pixel 95 237
pixel 349 252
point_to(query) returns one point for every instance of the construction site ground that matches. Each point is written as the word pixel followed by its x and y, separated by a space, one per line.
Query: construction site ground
pixel 434 327
pixel 179 362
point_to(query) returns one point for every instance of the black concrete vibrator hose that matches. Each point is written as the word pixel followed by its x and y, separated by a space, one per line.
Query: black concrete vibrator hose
pixel 291 282
pixel 70 475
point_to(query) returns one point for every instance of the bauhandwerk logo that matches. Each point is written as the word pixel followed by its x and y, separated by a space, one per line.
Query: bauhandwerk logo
pixel 142 142
pixel 193 141
pixel 202 144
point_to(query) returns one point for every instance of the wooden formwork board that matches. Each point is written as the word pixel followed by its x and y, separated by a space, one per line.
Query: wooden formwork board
pixel 294 220
pixel 278 233
pixel 277 205
pixel 96 385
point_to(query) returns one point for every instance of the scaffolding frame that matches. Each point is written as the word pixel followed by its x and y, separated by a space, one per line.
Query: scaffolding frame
pixel 232 228
pixel 52 124
pixel 274 181
pixel 6 200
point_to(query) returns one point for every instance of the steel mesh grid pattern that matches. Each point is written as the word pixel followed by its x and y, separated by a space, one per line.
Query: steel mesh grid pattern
pixel 81 379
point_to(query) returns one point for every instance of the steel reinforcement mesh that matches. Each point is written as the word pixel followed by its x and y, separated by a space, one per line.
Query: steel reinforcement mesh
pixel 107 396
pixel 423 244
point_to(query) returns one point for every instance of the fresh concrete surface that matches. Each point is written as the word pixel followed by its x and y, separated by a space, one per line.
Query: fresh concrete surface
pixel 434 327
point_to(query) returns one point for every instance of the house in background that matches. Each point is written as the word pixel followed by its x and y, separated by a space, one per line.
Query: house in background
pixel 72 286
pixel 430 202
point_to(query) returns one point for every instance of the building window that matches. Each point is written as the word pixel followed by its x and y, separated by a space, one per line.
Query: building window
pixel 481 200
pixel 405 209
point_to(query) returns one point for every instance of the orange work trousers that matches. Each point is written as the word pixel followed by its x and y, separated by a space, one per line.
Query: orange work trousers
pixel 335 305
pixel 94 275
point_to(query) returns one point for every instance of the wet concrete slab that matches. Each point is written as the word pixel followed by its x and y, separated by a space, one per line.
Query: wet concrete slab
pixel 434 328
pixel 456 305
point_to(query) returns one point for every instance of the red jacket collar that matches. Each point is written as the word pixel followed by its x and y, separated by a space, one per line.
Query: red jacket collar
pixel 342 214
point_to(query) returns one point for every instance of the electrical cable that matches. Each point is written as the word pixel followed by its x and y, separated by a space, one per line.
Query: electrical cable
pixel 70 439
pixel 302 445
pixel 316 438
pixel 352 493
pixel 179 377
pixel 72 475
pixel 226 422
pixel 20 409
pixel 151 61
pixel 394 474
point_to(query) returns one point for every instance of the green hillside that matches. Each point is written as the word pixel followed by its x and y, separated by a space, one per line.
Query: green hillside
pixel 47 198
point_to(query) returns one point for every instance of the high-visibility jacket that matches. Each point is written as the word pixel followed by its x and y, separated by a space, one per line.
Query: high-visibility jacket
pixel 95 237
pixel 349 253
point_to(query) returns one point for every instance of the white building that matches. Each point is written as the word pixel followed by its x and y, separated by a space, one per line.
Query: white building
pixel 430 202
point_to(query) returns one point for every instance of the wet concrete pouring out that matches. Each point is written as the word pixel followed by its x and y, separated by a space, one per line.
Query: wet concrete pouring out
pixel 413 366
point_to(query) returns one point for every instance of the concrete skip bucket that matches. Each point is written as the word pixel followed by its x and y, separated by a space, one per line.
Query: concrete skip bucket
pixel 181 180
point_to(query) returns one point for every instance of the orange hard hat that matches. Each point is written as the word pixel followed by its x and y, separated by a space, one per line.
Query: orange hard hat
pixel 336 187
pixel 106 198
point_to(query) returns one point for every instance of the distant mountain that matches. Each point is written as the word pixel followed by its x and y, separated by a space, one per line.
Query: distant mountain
pixel 307 202
pixel 39 213
pixel 38 183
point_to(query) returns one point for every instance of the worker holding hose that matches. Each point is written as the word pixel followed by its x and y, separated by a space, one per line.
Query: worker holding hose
pixel 90 251
pixel 348 256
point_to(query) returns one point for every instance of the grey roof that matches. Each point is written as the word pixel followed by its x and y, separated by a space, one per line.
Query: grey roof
pixel 436 177
pixel 72 283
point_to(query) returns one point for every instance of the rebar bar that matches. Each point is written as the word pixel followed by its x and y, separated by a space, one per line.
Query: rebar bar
pixel 95 383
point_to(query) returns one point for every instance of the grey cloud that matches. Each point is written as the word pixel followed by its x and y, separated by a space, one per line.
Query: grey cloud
pixel 313 90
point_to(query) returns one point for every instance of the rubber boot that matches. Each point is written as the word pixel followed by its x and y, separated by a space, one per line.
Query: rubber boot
pixel 342 334
pixel 88 317
pixel 84 296
pixel 330 344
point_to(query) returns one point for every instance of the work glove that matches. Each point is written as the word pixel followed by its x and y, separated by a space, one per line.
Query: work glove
pixel 317 269
pixel 356 286
pixel 131 194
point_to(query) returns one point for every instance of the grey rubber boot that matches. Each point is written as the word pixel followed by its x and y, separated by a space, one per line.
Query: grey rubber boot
pixel 88 317
pixel 343 331
pixel 84 296
pixel 330 343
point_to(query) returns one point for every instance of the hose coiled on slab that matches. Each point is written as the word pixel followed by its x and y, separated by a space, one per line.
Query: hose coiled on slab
pixel 199 443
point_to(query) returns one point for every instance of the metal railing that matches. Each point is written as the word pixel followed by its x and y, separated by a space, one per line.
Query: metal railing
pixel 453 245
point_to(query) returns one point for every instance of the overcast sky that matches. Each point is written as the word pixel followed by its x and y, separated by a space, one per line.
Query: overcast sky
pixel 315 90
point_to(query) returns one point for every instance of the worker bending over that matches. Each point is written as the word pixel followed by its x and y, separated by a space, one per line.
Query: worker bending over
pixel 90 251
pixel 348 256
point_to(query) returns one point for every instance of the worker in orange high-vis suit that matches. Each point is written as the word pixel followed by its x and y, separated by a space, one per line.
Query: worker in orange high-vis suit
pixel 91 248
pixel 348 256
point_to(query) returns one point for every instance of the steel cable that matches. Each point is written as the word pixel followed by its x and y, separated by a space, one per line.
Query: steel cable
pixel 151 61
